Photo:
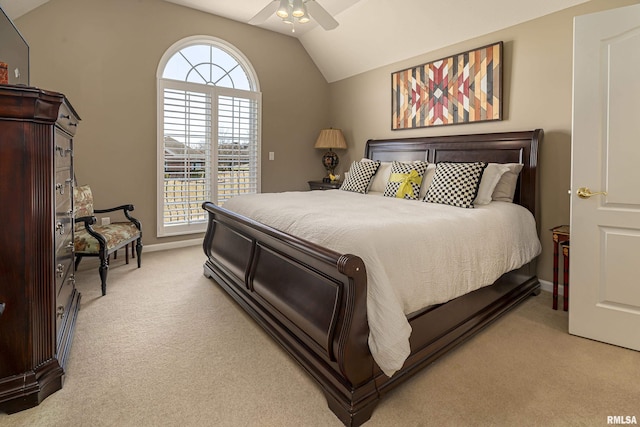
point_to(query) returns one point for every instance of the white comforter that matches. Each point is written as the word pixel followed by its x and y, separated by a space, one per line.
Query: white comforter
pixel 416 254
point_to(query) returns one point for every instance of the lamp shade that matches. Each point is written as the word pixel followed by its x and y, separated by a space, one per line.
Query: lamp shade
pixel 331 138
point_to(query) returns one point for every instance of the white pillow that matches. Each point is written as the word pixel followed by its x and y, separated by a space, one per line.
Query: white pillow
pixel 490 178
pixel 426 180
pixel 506 187
pixel 379 180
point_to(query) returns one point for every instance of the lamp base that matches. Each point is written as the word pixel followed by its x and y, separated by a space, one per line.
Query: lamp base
pixel 330 160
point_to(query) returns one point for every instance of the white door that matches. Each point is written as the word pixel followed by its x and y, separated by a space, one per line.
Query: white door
pixel 604 293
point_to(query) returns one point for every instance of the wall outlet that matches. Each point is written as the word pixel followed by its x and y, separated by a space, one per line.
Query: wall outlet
pixel 106 220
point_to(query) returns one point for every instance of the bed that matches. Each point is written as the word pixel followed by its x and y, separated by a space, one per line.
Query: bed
pixel 313 300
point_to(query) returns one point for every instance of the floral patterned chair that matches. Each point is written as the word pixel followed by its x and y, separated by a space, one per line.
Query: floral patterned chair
pixel 103 240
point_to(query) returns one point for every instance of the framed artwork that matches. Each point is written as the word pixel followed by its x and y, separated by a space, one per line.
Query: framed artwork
pixel 462 88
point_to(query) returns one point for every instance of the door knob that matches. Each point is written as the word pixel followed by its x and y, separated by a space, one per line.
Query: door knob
pixel 585 193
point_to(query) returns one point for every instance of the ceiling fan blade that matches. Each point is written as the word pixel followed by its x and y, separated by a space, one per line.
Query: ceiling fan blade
pixel 318 13
pixel 265 13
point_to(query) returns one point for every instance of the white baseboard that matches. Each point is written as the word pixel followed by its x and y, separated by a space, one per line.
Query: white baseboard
pixel 172 245
pixel 548 287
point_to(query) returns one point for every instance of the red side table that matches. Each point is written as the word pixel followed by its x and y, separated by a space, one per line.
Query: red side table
pixel 561 234
pixel 565 255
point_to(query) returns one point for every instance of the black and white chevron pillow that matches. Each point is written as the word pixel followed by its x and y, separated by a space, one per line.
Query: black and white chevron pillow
pixel 359 176
pixel 455 184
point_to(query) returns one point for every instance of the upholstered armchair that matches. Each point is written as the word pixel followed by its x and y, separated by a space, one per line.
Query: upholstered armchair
pixel 103 240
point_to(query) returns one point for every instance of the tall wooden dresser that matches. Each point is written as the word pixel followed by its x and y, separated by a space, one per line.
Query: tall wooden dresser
pixel 38 298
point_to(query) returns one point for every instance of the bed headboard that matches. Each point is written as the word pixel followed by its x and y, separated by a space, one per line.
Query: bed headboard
pixel 503 147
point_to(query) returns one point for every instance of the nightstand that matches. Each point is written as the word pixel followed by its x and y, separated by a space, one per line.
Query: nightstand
pixel 321 185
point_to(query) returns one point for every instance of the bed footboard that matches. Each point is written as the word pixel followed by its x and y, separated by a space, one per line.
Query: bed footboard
pixel 310 299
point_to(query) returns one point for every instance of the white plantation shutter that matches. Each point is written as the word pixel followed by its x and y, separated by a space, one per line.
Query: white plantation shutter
pixel 187 156
pixel 238 156
pixel 209 135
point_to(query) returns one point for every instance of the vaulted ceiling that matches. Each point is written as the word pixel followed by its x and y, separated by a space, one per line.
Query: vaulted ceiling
pixel 373 33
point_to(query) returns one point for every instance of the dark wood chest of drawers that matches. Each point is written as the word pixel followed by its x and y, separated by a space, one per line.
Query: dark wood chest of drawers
pixel 38 298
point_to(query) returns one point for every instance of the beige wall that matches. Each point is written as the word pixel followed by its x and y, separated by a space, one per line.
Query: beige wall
pixel 103 54
pixel 537 94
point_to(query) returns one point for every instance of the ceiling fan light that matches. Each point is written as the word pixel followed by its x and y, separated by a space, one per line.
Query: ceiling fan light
pixel 283 10
pixel 304 19
pixel 298 9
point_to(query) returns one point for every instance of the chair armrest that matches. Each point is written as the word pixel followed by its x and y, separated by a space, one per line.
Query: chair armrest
pixel 124 208
pixel 88 220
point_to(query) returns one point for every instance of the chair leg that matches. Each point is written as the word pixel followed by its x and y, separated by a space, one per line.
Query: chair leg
pixel 78 259
pixel 126 253
pixel 103 270
pixel 133 253
pixel 139 251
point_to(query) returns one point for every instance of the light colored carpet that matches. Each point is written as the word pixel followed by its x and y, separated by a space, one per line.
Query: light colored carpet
pixel 167 347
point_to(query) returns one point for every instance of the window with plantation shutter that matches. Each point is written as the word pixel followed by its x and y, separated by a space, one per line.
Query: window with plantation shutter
pixel 208 131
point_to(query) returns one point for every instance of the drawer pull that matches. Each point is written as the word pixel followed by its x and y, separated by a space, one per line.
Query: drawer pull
pixel 70 246
pixel 60 228
pixel 2 306
pixel 60 270
pixel 60 188
pixel 65 116
pixel 60 311
pixel 72 279
pixel 63 151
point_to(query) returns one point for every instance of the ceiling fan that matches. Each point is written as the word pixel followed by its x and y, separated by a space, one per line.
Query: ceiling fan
pixel 296 12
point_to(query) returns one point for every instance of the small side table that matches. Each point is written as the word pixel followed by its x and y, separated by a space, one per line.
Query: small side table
pixel 321 185
pixel 561 234
pixel 565 255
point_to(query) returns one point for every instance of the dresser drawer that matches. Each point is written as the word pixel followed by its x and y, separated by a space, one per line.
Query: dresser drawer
pixel 64 213
pixel 67 120
pixel 62 151
pixel 63 182
pixel 64 290
pixel 64 268
pixel 62 230
pixel 64 244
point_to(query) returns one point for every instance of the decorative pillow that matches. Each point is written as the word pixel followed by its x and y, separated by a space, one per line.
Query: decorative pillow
pixel 359 176
pixel 506 187
pixel 490 178
pixel 455 184
pixel 405 180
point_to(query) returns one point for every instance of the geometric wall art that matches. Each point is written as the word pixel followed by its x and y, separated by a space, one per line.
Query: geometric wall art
pixel 462 88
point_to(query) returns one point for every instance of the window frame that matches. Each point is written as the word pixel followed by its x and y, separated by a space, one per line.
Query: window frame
pixel 215 92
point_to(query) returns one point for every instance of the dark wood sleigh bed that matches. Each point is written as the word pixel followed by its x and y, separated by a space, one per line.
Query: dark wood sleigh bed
pixel 312 300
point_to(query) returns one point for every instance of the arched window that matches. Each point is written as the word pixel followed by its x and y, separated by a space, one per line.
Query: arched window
pixel 209 109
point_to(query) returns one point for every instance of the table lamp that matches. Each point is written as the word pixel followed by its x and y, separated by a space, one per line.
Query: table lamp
pixel 331 139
